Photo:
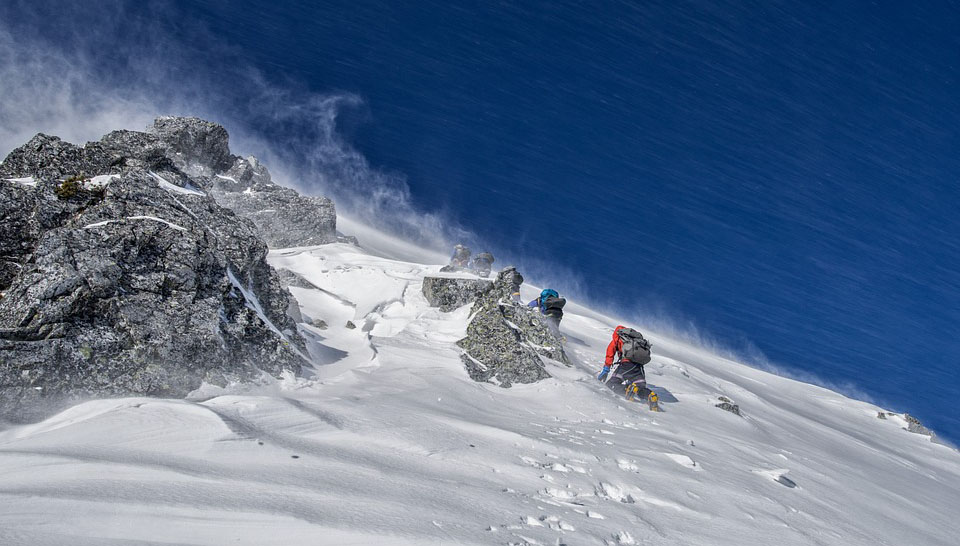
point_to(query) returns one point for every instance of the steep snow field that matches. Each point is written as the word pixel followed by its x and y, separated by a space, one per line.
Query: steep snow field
pixel 392 443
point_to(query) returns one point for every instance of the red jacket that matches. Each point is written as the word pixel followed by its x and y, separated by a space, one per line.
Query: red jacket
pixel 615 348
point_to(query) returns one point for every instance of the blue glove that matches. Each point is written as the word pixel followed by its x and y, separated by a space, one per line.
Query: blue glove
pixel 603 374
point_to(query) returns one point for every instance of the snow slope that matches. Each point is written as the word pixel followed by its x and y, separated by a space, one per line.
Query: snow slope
pixel 392 444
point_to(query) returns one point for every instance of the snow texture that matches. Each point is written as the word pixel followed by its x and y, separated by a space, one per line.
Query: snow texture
pixel 26 181
pixel 392 444
pixel 173 187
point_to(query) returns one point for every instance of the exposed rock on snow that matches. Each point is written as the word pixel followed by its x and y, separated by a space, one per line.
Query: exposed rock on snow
pixel 727 405
pixel 915 426
pixel 449 293
pixel 128 288
pixel 505 339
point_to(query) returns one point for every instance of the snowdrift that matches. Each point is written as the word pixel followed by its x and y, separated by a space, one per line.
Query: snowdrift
pixel 392 443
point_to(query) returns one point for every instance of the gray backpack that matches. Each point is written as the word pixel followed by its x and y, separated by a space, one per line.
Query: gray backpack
pixel 634 347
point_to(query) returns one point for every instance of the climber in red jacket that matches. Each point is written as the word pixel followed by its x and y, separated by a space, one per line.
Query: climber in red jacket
pixel 631 352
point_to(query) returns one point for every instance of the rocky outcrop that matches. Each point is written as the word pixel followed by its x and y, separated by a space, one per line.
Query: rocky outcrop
pixel 283 217
pixel 727 405
pixel 506 340
pixel 915 426
pixel 135 284
pixel 194 152
pixel 197 147
pixel 449 293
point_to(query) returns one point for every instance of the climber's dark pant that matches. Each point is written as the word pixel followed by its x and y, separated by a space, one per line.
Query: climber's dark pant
pixel 625 374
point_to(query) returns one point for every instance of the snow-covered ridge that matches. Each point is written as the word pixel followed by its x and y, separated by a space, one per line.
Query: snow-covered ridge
pixel 392 443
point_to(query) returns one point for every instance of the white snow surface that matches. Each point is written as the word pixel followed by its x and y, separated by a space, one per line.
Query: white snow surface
pixel 25 181
pixel 99 181
pixel 175 188
pixel 392 444
pixel 150 218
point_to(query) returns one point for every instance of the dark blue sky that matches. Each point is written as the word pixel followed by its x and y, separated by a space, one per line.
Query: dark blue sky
pixel 782 175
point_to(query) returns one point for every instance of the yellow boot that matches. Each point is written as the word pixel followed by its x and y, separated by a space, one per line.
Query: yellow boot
pixel 631 393
pixel 654 401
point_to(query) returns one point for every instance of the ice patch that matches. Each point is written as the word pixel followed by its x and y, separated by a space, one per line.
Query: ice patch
pixel 99 181
pixel 150 218
pixel 175 188
pixel 25 181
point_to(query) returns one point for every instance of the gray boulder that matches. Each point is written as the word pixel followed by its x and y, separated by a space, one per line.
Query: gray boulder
pixel 449 293
pixel 506 340
pixel 135 287
pixel 727 405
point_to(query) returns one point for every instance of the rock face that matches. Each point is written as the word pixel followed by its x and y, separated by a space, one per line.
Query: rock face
pixel 197 151
pixel 283 217
pixel 197 147
pixel 505 340
pixel 449 293
pixel 133 284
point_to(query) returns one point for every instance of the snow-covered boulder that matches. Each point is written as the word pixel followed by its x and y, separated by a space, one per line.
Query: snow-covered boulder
pixel 130 285
pixel 505 340
pixel 449 293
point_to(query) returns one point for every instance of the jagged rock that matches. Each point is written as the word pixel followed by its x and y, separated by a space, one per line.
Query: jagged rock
pixel 284 217
pixel 47 157
pixel 881 415
pixel 130 288
pixel 915 426
pixel 44 156
pixel 727 405
pixel 192 153
pixel 197 147
pixel 450 293
pixel 505 340
pixel 350 325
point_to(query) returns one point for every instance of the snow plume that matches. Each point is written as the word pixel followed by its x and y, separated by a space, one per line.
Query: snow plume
pixel 307 152
pixel 660 319
pixel 80 72
pixel 42 91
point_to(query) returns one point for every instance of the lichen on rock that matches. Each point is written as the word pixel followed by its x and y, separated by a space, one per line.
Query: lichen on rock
pixel 506 340
pixel 449 293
